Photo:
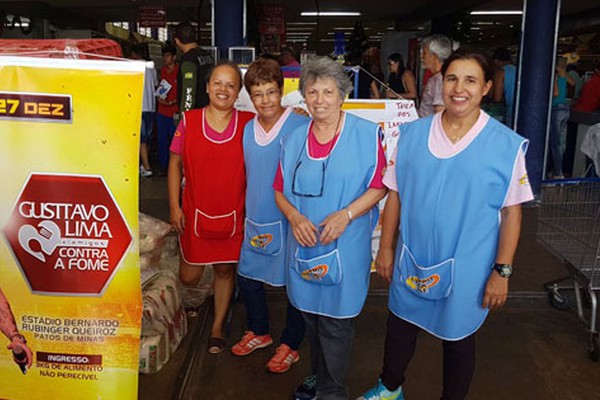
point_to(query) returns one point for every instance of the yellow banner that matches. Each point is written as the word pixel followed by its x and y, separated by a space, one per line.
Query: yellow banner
pixel 70 298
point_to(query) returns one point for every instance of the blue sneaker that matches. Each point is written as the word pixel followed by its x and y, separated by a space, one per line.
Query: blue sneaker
pixel 307 389
pixel 380 392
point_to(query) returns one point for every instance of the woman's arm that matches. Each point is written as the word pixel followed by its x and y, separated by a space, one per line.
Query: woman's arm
pixel 408 81
pixel 174 176
pixel 334 225
pixel 303 230
pixel 374 90
pixel 496 289
pixel 384 262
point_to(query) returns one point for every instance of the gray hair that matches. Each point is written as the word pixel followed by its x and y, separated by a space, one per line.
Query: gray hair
pixel 324 67
pixel 439 45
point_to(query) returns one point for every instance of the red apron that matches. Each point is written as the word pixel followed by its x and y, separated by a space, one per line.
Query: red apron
pixel 214 192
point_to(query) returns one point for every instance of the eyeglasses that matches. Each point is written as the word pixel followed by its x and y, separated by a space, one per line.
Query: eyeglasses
pixel 259 96
pixel 309 192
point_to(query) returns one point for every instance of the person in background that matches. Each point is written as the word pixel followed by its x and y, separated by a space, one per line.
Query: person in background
pixel 435 49
pixel 207 151
pixel 589 101
pixel 139 52
pixel 287 59
pixel 167 105
pixel 327 188
pixel 456 188
pixel 401 81
pixel 505 83
pixel 22 354
pixel 559 117
pixel 194 66
pixel 264 251
pixel 573 92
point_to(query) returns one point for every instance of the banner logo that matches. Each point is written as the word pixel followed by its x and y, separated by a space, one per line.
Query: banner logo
pixel 423 285
pixel 261 241
pixel 67 234
pixel 35 107
pixel 315 273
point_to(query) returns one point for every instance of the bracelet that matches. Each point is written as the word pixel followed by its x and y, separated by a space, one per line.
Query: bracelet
pixel 349 214
pixel 20 337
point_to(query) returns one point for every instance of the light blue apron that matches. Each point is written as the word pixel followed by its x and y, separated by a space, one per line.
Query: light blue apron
pixel 331 280
pixel 450 220
pixel 263 253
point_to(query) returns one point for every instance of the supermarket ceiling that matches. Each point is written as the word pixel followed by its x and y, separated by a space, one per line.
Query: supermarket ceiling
pixel 376 15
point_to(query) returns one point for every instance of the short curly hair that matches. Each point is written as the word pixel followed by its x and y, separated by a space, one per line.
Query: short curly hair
pixel 263 71
pixel 324 67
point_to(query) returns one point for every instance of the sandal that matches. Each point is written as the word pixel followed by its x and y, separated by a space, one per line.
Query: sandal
pixel 216 345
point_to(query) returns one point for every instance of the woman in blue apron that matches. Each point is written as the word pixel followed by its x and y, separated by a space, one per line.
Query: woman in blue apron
pixel 263 255
pixel 328 188
pixel 460 177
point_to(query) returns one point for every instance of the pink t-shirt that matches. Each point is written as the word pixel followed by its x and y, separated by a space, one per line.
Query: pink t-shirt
pixel 319 151
pixel 441 147
pixel 209 132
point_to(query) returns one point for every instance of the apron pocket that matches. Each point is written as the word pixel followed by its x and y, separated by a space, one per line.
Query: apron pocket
pixel 215 226
pixel 265 239
pixel 321 270
pixel 432 282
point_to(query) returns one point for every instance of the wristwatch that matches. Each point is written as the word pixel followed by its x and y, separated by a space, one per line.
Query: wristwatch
pixel 20 337
pixel 505 270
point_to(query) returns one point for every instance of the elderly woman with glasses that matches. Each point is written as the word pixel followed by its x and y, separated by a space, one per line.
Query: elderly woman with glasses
pixel 328 185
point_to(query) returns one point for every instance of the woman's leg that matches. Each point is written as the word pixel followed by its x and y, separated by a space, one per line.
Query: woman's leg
pixel 459 366
pixel 399 348
pixel 335 336
pixel 295 328
pixel 190 275
pixel 257 314
pixel 223 284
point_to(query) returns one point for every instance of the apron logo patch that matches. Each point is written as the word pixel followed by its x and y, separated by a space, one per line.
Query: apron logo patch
pixel 261 241
pixel 315 273
pixel 423 285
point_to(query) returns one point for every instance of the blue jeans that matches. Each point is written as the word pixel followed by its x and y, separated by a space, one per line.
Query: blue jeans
pixel 166 130
pixel 146 128
pixel 257 313
pixel 330 347
pixel 558 136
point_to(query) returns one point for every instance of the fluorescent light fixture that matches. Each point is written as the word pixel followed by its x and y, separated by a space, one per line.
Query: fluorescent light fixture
pixel 484 23
pixel 343 28
pixel 297 28
pixel 496 12
pixel 330 14
pixel 301 23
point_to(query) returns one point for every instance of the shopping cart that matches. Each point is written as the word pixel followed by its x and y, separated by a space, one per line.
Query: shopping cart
pixel 569 226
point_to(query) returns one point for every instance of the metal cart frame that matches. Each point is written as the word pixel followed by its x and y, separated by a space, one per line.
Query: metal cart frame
pixel 569 227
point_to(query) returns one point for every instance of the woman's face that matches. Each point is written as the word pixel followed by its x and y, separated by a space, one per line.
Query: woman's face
pixel 464 88
pixel 323 99
pixel 266 98
pixel 392 66
pixel 223 87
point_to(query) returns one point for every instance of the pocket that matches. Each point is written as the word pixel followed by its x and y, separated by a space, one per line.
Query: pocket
pixel 265 239
pixel 432 282
pixel 322 270
pixel 215 226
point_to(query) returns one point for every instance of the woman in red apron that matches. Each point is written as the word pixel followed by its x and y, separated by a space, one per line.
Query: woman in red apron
pixel 207 152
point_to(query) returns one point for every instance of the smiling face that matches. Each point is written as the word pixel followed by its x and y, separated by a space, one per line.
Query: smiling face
pixel 266 98
pixel 464 88
pixel 223 87
pixel 323 99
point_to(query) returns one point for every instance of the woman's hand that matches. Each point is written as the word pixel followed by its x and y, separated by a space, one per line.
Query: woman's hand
pixel 333 226
pixel 384 263
pixel 304 231
pixel 177 219
pixel 496 291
